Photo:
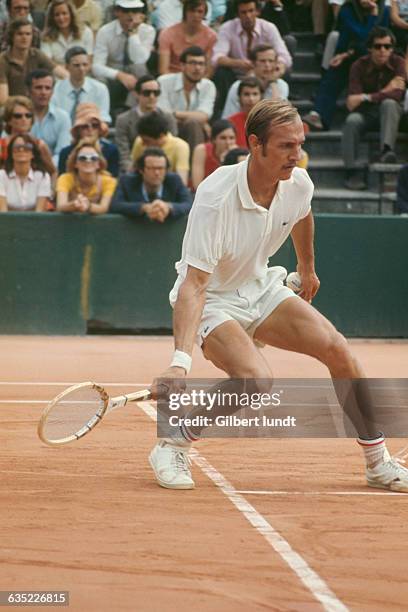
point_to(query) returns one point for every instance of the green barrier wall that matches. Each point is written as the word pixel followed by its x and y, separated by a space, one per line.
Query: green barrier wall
pixel 61 274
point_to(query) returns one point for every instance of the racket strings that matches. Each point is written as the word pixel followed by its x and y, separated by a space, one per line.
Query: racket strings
pixel 74 414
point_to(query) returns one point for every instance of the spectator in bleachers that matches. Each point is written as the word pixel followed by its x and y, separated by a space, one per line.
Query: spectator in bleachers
pixel 24 182
pixel 190 32
pixel 399 24
pixel 189 96
pixel 236 38
pixel 20 60
pixel 376 89
pixel 170 12
pixel 249 93
pixel 146 93
pixel 18 118
pixel 88 13
pixel 264 60
pixel 402 191
pixel 153 132
pixel 355 21
pixel 88 124
pixel 63 32
pixel 79 87
pixel 51 124
pixel 152 190
pixel 235 156
pixel 122 49
pixel 320 14
pixel 86 187
pixel 274 12
pixel 18 9
pixel 209 156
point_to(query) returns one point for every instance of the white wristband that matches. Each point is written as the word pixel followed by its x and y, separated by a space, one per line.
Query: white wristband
pixel 181 360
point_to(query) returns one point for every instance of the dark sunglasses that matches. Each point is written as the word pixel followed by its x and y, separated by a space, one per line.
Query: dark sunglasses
pixel 93 124
pixel 87 158
pixel 149 92
pixel 21 115
pixel 378 46
pixel 23 147
pixel 131 10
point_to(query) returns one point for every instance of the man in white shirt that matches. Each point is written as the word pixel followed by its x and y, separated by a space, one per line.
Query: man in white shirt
pixel 122 48
pixel 80 87
pixel 189 96
pixel 228 300
pixel 51 124
pixel 265 62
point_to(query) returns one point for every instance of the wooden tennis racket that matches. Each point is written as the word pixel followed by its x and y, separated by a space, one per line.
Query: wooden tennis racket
pixel 78 410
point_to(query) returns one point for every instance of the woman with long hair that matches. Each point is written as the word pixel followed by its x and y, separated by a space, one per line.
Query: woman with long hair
pixel 18 118
pixel 63 32
pixel 24 182
pixel 87 187
pixel 209 156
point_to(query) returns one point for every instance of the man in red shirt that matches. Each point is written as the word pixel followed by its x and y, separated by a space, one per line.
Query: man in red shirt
pixel 250 91
pixel 376 88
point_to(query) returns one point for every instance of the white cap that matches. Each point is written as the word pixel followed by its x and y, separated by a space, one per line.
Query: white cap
pixel 129 4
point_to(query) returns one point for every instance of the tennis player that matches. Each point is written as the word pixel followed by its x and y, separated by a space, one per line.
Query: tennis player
pixel 230 302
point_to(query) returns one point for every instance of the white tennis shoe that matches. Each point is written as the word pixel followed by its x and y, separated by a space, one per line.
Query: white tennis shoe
pixel 388 474
pixel 171 465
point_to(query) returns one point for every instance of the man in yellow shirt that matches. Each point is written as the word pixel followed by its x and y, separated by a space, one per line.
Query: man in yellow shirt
pixel 153 132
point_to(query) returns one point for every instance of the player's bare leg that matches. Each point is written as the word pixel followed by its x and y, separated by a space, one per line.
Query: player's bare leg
pixel 296 326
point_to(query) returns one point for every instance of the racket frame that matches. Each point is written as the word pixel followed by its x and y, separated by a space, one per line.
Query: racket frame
pixel 108 405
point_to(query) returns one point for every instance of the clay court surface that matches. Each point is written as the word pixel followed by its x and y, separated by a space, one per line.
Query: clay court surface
pixel 272 524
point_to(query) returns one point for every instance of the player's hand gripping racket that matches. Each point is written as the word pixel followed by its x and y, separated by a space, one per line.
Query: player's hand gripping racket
pixel 77 410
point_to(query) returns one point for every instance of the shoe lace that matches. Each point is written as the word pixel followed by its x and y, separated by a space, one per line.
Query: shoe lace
pixel 182 461
pixel 397 468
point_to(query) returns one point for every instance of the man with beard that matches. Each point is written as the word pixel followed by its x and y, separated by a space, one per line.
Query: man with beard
pixel 189 96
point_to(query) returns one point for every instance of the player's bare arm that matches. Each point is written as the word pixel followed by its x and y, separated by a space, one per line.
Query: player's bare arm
pixel 303 237
pixel 186 319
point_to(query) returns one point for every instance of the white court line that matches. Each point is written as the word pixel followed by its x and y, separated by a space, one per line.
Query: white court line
pixel 311 580
pixel 297 405
pixel 374 493
pixel 133 384
pixel 69 384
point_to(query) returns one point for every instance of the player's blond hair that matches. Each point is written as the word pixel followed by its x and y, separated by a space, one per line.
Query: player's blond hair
pixel 266 115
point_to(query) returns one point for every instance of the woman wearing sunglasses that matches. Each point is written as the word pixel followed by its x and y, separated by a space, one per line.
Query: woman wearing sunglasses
pixel 24 183
pixel 86 187
pixel 63 32
pixel 18 119
pixel 88 124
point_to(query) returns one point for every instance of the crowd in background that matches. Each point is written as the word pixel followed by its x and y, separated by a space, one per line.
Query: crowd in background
pixel 122 106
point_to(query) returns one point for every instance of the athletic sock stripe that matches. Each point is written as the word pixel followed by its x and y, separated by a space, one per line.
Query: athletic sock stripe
pixel 187 434
pixel 369 443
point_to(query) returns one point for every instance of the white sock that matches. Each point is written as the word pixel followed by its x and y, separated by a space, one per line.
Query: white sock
pixel 375 451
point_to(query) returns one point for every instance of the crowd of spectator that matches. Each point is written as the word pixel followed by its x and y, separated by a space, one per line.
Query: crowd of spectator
pixel 126 105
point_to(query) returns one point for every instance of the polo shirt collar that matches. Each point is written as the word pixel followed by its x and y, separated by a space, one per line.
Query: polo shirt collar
pixel 243 188
pixel 30 175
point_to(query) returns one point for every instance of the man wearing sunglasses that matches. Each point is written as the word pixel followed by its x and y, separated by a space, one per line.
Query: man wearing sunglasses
pixel 146 94
pixel 122 48
pixel 376 88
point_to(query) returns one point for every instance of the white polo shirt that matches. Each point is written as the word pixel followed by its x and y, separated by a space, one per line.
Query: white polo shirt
pixel 23 195
pixel 232 237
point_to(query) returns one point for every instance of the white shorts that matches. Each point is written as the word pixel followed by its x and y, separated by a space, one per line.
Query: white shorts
pixel 249 305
